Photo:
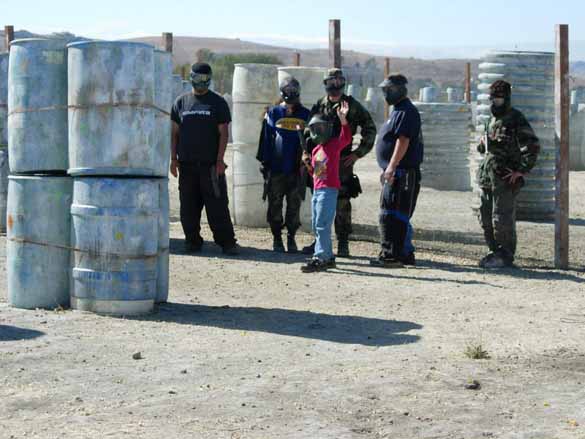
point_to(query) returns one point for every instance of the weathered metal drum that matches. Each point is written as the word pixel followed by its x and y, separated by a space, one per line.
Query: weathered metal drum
pixel 163 101
pixel 38 241
pixel 37 106
pixel 114 235
pixel 162 282
pixel 4 168
pixel 255 88
pixel 4 172
pixel 111 109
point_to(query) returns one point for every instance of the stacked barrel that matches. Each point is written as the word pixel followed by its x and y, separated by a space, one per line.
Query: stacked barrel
pixel 4 169
pixel 120 94
pixel 39 192
pixel 255 89
pixel 532 77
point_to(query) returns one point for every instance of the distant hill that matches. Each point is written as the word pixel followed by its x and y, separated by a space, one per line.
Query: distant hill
pixel 360 66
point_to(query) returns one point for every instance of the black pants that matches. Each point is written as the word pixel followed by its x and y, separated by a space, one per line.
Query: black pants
pixel 197 189
pixel 281 187
pixel 397 204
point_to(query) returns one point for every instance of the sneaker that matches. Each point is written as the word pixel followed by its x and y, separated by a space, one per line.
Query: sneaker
pixel 278 245
pixel 193 247
pixel 291 244
pixel 314 265
pixel 409 260
pixel 232 250
pixel 386 263
pixel 309 249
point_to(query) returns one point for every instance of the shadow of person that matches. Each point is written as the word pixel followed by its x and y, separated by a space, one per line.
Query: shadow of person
pixel 305 324
pixel 210 249
pixel 13 333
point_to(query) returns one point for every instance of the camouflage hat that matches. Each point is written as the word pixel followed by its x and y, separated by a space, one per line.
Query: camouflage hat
pixel 501 88
pixel 393 80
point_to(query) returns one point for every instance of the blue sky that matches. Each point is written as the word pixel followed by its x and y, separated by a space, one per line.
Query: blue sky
pixel 376 26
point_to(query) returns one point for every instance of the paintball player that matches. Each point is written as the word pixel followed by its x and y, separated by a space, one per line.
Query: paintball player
pixel 399 151
pixel 199 139
pixel 358 116
pixel 511 149
pixel 279 151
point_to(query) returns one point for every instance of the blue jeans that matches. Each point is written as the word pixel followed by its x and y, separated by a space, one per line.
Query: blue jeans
pixel 323 204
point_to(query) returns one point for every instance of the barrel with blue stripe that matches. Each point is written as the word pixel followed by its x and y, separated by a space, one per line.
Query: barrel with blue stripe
pixel 115 229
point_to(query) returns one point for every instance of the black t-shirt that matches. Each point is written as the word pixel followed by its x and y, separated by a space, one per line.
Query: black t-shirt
pixel 404 121
pixel 198 118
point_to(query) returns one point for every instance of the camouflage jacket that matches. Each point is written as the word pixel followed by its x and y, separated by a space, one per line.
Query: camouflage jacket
pixel 358 116
pixel 509 143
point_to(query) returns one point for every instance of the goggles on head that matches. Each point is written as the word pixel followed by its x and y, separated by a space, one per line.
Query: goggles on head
pixel 290 90
pixel 200 78
pixel 338 82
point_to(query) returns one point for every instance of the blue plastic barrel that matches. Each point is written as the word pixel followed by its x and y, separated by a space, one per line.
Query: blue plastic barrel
pixel 115 229
pixel 162 285
pixel 38 241
pixel 37 106
pixel 111 109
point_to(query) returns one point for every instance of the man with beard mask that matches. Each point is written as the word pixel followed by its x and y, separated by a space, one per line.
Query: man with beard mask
pixel 358 116
pixel 198 143
pixel 280 154
pixel 511 149
pixel 399 151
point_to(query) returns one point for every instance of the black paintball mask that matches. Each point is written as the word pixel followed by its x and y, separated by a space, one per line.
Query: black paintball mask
pixel 290 91
pixel 394 88
pixel 201 77
pixel 334 82
pixel 320 129
pixel 500 97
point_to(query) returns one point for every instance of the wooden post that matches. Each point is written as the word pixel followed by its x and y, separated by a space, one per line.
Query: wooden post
pixel 8 35
pixel 296 59
pixel 335 43
pixel 386 74
pixel 468 83
pixel 167 38
pixel 562 108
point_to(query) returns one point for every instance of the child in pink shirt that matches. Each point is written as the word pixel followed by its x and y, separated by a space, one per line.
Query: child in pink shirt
pixel 325 171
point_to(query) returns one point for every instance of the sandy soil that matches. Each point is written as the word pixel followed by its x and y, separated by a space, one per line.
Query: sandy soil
pixel 249 347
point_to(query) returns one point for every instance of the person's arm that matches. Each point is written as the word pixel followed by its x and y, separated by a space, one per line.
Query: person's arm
pixel 345 132
pixel 529 149
pixel 223 141
pixel 402 144
pixel 174 143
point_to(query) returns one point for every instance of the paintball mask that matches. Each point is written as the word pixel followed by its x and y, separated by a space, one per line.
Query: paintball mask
pixel 201 76
pixel 394 88
pixel 320 129
pixel 290 90
pixel 334 82
pixel 500 97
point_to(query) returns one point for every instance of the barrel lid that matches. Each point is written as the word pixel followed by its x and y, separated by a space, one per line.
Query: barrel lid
pixel 53 43
pixel 256 64
pixel 316 69
pixel 518 53
pixel 44 177
pixel 83 44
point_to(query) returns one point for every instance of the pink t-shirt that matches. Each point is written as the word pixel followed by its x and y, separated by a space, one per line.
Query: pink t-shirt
pixel 325 160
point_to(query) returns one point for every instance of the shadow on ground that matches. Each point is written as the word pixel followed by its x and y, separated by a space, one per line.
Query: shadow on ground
pixel 305 324
pixel 13 333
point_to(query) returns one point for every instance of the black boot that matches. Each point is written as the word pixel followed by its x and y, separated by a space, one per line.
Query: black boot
pixel 309 249
pixel 291 244
pixel 277 244
pixel 343 247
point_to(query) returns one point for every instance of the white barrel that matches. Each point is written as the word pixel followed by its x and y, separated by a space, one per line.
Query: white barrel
pixel 312 89
pixel 4 172
pixel 446 129
pixel 37 106
pixel 4 168
pixel 355 90
pixel 230 102
pixel 531 75
pixel 38 241
pixel 163 101
pixel 429 94
pixel 577 139
pixel 453 95
pixel 114 235
pixel 255 88
pixel 375 104
pixel 111 109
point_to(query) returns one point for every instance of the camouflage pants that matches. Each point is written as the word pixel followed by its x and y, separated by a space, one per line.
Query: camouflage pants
pixel 497 216
pixel 343 212
pixel 284 186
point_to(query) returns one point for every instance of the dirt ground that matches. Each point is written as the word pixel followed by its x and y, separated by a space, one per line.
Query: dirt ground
pixel 249 347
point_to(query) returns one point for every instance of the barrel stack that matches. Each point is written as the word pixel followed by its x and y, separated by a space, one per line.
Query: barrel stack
pixel 120 95
pixel 39 191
